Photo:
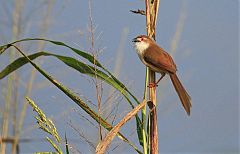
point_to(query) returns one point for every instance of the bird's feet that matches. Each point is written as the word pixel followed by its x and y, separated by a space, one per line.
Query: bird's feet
pixel 152 85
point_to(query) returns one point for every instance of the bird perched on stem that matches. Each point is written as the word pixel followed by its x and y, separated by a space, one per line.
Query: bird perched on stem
pixel 158 60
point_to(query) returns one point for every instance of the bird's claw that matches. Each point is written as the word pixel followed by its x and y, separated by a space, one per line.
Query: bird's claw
pixel 152 85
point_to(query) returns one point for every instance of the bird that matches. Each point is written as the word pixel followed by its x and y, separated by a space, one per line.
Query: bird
pixel 158 60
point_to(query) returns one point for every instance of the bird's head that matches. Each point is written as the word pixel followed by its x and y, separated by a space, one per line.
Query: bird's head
pixel 142 42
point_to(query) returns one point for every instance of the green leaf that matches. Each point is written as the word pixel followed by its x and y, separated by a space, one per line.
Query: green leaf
pixel 73 63
pixel 81 67
pixel 85 55
pixel 66 142
pixel 113 81
pixel 3 48
pixel 139 131
pixel 17 64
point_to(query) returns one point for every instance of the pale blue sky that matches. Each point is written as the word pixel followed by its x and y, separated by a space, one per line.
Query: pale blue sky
pixel 207 57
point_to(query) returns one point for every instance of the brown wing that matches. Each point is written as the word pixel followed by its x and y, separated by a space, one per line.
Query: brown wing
pixel 159 59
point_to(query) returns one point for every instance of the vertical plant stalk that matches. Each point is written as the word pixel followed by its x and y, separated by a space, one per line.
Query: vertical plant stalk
pixel 98 83
pixel 144 116
pixel 151 18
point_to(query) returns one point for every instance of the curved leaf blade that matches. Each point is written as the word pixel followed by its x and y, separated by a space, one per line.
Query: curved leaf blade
pixel 74 97
pixel 71 62
pixel 118 85
pixel 85 55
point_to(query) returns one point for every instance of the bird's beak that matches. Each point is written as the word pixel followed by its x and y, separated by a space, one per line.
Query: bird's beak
pixel 135 40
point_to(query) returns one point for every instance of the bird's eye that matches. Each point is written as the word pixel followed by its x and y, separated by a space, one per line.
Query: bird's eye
pixel 142 39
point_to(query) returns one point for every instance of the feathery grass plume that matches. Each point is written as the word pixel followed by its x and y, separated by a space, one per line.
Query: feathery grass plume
pixel 47 126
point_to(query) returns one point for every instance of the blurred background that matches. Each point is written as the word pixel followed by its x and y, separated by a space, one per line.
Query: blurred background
pixel 202 36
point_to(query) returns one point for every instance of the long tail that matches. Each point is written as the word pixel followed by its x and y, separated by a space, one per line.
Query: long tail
pixel 182 93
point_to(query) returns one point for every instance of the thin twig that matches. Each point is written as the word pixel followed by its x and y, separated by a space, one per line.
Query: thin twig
pixel 142 12
pixel 98 84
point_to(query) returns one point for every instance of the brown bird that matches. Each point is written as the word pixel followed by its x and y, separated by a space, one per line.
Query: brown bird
pixel 160 61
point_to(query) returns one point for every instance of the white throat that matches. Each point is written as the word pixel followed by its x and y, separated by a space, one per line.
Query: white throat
pixel 140 47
